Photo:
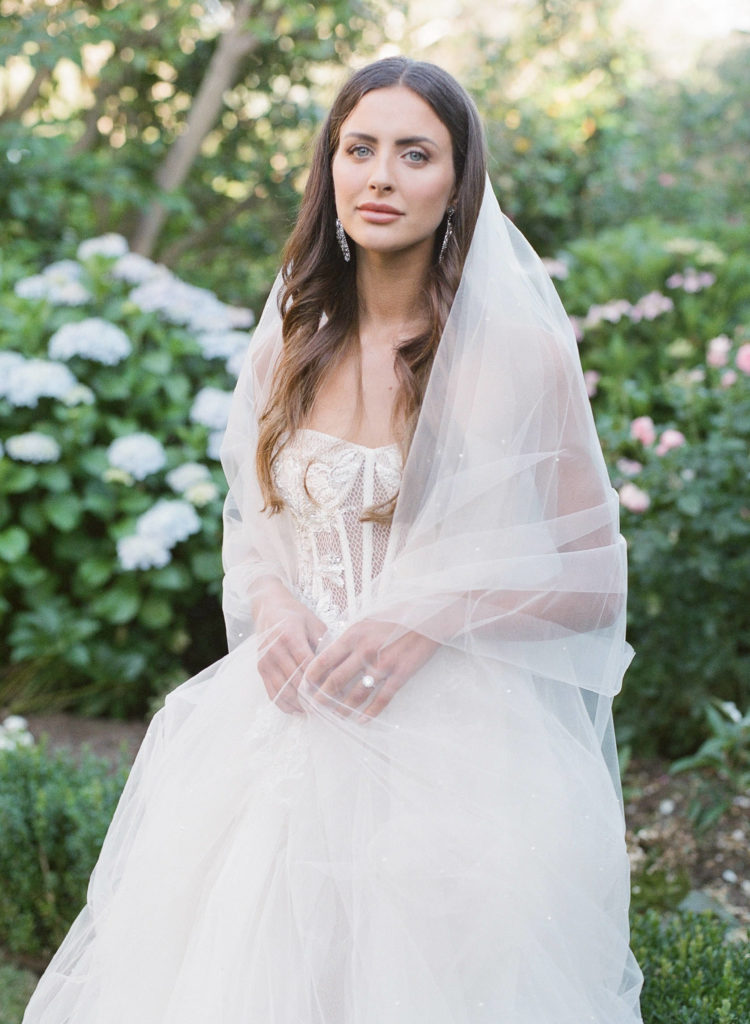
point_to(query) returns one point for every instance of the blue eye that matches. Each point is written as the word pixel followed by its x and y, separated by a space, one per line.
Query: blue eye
pixel 416 156
pixel 360 150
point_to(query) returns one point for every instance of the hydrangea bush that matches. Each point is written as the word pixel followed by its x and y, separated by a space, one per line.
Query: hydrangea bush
pixel 115 381
pixel 669 379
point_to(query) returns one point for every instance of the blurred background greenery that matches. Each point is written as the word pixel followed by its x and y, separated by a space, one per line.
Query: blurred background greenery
pixel 152 157
pixel 619 142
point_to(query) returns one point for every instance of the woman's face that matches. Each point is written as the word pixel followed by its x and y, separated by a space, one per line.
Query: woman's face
pixel 393 171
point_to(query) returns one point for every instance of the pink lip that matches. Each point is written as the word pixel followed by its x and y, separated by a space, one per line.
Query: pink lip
pixel 379 208
pixel 378 213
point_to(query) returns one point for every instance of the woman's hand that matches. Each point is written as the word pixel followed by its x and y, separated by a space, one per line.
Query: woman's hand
pixel 292 633
pixel 367 648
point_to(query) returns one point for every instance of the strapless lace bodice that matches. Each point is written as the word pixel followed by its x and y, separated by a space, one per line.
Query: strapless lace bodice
pixel 326 484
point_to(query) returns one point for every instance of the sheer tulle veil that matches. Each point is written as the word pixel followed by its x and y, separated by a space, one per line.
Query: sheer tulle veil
pixel 460 858
pixel 505 542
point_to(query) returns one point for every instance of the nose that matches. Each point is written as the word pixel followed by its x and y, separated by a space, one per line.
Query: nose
pixel 381 177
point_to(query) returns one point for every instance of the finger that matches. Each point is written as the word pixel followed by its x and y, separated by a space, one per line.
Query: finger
pixel 333 690
pixel 282 702
pixel 281 674
pixel 340 678
pixel 380 701
pixel 325 662
pixel 315 630
pixel 290 655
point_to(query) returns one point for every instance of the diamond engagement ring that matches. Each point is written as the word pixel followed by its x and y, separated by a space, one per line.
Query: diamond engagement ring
pixel 368 681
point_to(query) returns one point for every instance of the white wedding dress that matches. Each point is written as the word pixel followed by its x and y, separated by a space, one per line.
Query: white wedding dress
pixel 458 860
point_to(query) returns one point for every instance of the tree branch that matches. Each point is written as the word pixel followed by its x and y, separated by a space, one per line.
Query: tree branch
pixel 222 73
pixel 29 97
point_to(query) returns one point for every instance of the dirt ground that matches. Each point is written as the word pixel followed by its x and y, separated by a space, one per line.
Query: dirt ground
pixel 678 856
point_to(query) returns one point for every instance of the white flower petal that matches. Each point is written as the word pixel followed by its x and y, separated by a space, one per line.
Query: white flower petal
pixel 139 552
pixel 94 338
pixel 168 522
pixel 110 245
pixel 137 454
pixel 187 475
pixel 32 447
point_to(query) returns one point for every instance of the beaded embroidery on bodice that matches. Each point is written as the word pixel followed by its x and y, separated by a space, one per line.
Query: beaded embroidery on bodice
pixel 326 484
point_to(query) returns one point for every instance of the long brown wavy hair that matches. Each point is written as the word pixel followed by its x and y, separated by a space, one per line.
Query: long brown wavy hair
pixel 318 301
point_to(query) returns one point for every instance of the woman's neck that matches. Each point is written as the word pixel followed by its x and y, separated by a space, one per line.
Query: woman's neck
pixel 390 288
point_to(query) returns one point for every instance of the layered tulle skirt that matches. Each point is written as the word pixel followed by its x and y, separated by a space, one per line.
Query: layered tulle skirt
pixel 458 860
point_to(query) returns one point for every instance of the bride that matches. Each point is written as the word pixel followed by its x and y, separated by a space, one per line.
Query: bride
pixel 395 800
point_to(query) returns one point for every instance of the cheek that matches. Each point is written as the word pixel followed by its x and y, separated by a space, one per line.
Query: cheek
pixel 341 172
pixel 436 190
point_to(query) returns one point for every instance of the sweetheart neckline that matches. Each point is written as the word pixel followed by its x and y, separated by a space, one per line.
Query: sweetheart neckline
pixel 343 440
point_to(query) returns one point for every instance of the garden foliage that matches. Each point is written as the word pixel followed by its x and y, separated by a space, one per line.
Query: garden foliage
pixel 115 379
pixel 54 812
pixel 692 975
pixel 669 376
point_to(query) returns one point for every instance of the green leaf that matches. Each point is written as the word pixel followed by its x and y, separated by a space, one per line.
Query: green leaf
pixel 206 565
pixel 171 577
pixel 689 504
pixel 32 517
pixel 95 571
pixel 14 543
pixel 117 605
pixel 155 613
pixel 19 479
pixel 94 461
pixel 27 573
pixel 158 363
pixel 113 388
pixel 63 511
pixel 78 655
pixel 178 389
pixel 101 503
pixel 54 478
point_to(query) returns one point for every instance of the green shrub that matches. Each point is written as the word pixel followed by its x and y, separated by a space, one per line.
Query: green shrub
pixel 662 319
pixel 54 812
pixel 692 975
pixel 115 378
pixel 689 554
pixel 721 764
pixel 16 988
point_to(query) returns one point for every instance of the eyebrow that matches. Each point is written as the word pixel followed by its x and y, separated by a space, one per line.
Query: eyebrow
pixel 410 141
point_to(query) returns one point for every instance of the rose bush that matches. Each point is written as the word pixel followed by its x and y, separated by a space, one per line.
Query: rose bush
pixel 115 378
pixel 672 404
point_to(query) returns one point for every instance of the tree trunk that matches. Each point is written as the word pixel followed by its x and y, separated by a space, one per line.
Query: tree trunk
pixel 29 97
pixel 233 46
pixel 91 134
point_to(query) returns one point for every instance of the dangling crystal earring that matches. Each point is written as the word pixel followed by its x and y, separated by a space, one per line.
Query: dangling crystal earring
pixel 343 244
pixel 448 232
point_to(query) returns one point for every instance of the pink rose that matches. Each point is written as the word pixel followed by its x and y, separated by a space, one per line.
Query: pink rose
pixel 642 429
pixel 592 378
pixel 742 358
pixel 670 439
pixel 728 378
pixel 633 498
pixel 718 351
pixel 629 467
